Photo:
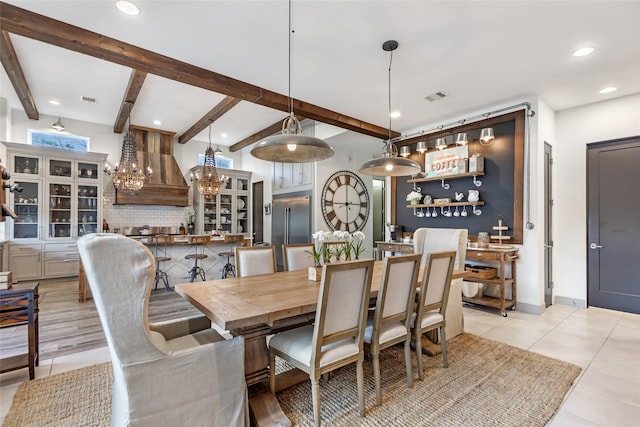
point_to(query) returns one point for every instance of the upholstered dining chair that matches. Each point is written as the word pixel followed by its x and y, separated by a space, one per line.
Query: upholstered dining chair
pixel 297 256
pixel 255 260
pixel 178 372
pixel 427 240
pixel 389 324
pixel 432 302
pixel 336 338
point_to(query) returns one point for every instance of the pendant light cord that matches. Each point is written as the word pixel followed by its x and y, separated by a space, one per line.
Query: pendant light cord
pixel 289 81
pixel 390 61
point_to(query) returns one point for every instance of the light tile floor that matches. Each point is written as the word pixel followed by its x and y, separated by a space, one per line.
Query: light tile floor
pixel 604 343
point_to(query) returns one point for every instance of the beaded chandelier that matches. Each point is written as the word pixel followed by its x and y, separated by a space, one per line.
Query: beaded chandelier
pixel 210 183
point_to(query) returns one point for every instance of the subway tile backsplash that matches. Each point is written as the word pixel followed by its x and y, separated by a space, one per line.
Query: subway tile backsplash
pixel 121 216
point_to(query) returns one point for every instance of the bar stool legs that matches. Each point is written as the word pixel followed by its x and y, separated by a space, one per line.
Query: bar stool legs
pixel 229 270
pixel 196 270
pixel 161 276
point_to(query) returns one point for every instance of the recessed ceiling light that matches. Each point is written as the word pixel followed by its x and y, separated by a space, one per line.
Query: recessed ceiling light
pixel 54 102
pixel 395 114
pixel 583 51
pixel 157 122
pixel 223 135
pixel 608 89
pixel 127 7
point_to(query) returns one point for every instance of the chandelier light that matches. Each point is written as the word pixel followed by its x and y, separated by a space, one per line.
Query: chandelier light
pixel 291 146
pixel 127 176
pixel 210 183
pixel 389 164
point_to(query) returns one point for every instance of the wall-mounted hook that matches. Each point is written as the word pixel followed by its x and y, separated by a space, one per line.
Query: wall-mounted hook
pixel 476 181
pixel 445 185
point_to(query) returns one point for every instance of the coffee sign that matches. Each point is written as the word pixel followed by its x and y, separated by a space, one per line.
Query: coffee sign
pixel 450 161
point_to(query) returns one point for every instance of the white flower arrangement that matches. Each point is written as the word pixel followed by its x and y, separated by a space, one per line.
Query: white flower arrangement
pixel 414 195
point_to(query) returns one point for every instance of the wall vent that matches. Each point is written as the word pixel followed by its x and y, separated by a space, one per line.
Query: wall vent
pixel 89 99
pixel 435 96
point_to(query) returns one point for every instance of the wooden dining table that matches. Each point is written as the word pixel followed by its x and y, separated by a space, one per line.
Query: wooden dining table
pixel 256 307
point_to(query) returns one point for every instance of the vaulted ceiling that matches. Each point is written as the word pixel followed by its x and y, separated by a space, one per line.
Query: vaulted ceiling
pixel 190 63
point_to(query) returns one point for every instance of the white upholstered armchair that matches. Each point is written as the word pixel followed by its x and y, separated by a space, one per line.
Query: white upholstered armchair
pixel 427 240
pixel 168 374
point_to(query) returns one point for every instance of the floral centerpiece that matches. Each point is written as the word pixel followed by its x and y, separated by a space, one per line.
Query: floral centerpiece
pixel 357 240
pixel 414 197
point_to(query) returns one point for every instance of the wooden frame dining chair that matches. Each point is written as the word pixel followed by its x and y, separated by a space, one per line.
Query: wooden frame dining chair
pixel 336 338
pixel 390 324
pixel 297 256
pixel 432 302
pixel 255 260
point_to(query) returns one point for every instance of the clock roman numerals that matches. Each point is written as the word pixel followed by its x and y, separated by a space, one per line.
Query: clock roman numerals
pixel 345 202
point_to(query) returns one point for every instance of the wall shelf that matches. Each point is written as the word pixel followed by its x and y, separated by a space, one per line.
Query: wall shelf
pixel 435 205
pixel 440 178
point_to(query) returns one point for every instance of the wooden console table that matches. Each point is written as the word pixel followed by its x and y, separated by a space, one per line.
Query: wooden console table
pixel 501 256
pixel 394 247
pixel 19 306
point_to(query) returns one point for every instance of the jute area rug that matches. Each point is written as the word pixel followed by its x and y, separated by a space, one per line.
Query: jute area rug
pixel 486 384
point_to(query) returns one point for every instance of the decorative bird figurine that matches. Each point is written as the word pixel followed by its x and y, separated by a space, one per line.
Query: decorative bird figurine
pixel 459 196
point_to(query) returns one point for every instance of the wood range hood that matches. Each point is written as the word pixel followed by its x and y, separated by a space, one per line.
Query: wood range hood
pixel 167 186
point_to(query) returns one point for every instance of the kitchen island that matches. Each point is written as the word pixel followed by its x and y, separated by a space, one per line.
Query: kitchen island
pixel 177 268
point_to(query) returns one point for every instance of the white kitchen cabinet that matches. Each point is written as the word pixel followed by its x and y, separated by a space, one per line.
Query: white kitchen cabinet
pixel 60 202
pixel 289 177
pixel 229 211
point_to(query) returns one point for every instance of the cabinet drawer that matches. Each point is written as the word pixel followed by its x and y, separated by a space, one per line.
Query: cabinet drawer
pixel 61 247
pixel 32 247
pixel 61 268
pixel 482 255
pixel 62 256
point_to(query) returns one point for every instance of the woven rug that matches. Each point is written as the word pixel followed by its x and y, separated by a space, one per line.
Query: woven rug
pixel 486 384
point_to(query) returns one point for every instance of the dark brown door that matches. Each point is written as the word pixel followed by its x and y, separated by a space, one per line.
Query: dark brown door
pixel 256 211
pixel 613 212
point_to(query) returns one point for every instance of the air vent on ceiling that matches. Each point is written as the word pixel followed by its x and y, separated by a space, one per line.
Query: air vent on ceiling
pixel 89 99
pixel 435 96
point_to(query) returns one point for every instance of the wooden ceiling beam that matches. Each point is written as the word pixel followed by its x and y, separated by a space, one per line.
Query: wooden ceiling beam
pixel 12 66
pixel 35 26
pixel 268 131
pixel 216 112
pixel 136 80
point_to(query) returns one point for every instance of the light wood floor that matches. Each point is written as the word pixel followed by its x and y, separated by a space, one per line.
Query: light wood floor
pixel 68 326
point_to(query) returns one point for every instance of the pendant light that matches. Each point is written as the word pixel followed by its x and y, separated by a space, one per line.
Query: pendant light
pixel 210 183
pixel 291 146
pixel 389 164
pixel 58 126
pixel 127 176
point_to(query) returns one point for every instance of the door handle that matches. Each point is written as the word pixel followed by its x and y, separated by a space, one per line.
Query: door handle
pixel 548 246
pixel 595 246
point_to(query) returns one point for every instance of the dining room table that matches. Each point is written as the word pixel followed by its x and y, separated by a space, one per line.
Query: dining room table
pixel 256 307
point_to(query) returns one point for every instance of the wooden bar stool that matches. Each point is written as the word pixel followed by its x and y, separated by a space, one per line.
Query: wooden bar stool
pixel 235 240
pixel 196 270
pixel 161 257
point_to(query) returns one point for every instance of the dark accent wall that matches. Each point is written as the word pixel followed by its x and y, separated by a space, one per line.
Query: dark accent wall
pixel 501 188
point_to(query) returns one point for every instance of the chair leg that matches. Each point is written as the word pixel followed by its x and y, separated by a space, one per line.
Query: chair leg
pixel 443 346
pixel 315 394
pixel 376 376
pixel 165 279
pixel 418 342
pixel 407 361
pixel 360 376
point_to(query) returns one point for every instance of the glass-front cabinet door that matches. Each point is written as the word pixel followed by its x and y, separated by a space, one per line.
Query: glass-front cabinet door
pixel 59 168
pixel 210 217
pixel 60 218
pixel 25 205
pixel 88 170
pixel 26 165
pixel 87 210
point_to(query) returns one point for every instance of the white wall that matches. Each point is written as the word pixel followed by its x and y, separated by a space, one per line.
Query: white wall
pixel 575 128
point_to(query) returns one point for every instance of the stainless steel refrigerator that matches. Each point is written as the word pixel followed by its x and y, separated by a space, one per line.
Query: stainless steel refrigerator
pixel 291 221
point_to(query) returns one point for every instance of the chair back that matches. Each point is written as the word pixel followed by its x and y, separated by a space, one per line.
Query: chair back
pixel 427 240
pixel 120 272
pixel 436 282
pixel 255 260
pixel 162 240
pixel 396 295
pixel 297 256
pixel 342 305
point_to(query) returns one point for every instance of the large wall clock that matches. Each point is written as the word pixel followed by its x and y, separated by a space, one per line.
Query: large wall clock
pixel 345 202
